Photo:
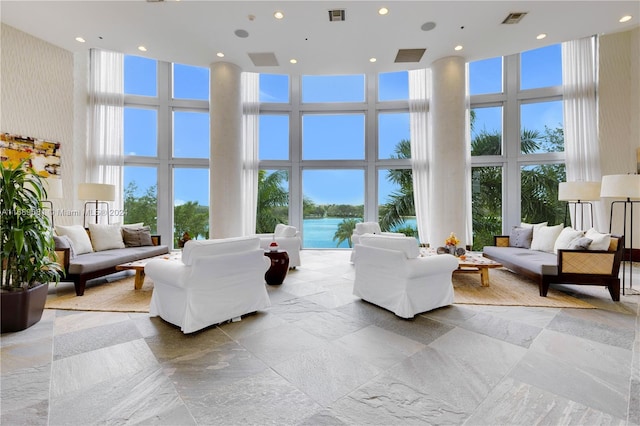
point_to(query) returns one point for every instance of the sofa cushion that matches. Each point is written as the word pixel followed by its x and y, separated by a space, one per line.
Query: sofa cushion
pixel 599 241
pixel 64 242
pixel 195 249
pixel 520 237
pixel 544 237
pixel 408 245
pixel 567 235
pixel 537 262
pixel 98 260
pixel 78 236
pixel 105 237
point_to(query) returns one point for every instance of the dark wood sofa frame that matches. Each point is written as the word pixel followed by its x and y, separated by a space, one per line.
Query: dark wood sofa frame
pixel 581 267
pixel 80 280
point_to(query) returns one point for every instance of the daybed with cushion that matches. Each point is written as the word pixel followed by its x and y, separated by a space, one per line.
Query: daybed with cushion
pixel 561 255
pixel 93 253
pixel 391 273
pixel 215 281
pixel 288 238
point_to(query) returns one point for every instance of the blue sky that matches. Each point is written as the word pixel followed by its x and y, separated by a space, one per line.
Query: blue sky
pixel 325 136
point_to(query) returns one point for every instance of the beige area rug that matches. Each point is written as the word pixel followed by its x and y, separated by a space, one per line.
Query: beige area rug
pixel 509 289
pixel 115 296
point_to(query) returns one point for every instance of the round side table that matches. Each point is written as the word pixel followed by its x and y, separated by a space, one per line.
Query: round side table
pixel 279 266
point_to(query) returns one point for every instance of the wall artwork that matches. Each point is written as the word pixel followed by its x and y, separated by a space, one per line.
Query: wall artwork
pixel 42 155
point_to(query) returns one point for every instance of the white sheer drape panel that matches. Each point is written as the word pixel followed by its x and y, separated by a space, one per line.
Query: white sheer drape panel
pixel 419 82
pixel 105 145
pixel 250 122
pixel 467 162
pixel 579 81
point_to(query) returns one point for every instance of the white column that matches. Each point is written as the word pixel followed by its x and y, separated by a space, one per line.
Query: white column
pixel 225 164
pixel 447 152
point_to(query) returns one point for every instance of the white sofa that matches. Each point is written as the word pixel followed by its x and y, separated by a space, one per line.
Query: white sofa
pixel 215 281
pixel 368 228
pixel 288 238
pixel 391 273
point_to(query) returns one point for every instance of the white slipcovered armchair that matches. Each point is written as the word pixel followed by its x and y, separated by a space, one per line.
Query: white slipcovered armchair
pixel 366 228
pixel 288 238
pixel 391 273
pixel 215 281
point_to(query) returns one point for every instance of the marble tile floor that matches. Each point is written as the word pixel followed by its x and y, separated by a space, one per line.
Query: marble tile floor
pixel 320 356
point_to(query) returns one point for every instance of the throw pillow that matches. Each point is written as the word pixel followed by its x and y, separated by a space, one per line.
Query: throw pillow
pixel 533 225
pixel 544 237
pixel 520 237
pixel 368 228
pixel 599 241
pixel 137 237
pixel 105 237
pixel 567 235
pixel 285 230
pixel 580 243
pixel 78 236
pixel 64 242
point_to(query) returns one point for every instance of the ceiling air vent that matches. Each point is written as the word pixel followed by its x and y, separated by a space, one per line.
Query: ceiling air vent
pixel 409 55
pixel 514 17
pixel 266 59
pixel 336 15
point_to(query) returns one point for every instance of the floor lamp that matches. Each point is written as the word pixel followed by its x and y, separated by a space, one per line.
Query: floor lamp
pixel 626 187
pixel 579 194
pixel 98 193
pixel 53 186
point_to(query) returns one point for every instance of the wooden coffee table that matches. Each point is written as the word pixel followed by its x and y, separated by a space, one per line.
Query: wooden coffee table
pixel 138 266
pixel 475 263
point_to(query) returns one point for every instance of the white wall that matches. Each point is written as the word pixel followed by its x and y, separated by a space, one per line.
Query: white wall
pixel 37 100
pixel 619 114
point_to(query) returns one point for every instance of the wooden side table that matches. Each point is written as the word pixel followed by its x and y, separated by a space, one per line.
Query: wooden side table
pixel 279 266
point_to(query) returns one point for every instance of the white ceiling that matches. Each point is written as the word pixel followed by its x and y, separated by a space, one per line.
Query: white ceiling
pixel 192 31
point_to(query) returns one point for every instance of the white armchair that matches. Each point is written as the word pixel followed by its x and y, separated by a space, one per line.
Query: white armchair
pixel 215 281
pixel 366 228
pixel 288 238
pixel 391 273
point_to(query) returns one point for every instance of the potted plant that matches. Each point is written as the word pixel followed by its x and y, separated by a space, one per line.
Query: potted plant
pixel 27 248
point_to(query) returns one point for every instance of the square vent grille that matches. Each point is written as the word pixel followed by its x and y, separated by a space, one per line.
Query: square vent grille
pixel 409 55
pixel 265 59
pixel 336 15
pixel 514 17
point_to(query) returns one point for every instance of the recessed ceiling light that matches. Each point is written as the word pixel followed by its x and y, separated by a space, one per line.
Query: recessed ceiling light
pixel 541 36
pixel 293 61
pixel 458 47
pixel 372 59
pixel 142 48
pixel 80 39
pixel 625 18
pixel 220 55
pixel 383 11
pixel 278 15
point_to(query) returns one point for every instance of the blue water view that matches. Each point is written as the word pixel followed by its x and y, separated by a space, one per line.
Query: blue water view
pixel 318 233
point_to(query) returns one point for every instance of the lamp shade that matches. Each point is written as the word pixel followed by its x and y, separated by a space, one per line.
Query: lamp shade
pixel 621 186
pixel 53 187
pixel 97 191
pixel 579 191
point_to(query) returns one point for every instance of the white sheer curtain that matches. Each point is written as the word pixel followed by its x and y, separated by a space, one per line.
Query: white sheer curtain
pixel 419 88
pixel 105 145
pixel 579 83
pixel 467 161
pixel 250 119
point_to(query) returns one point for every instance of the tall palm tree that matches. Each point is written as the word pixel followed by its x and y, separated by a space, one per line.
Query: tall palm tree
pixel 344 231
pixel 400 203
pixel 271 198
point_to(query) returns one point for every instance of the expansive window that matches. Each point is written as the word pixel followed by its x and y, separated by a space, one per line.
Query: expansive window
pixel 517 132
pixel 166 145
